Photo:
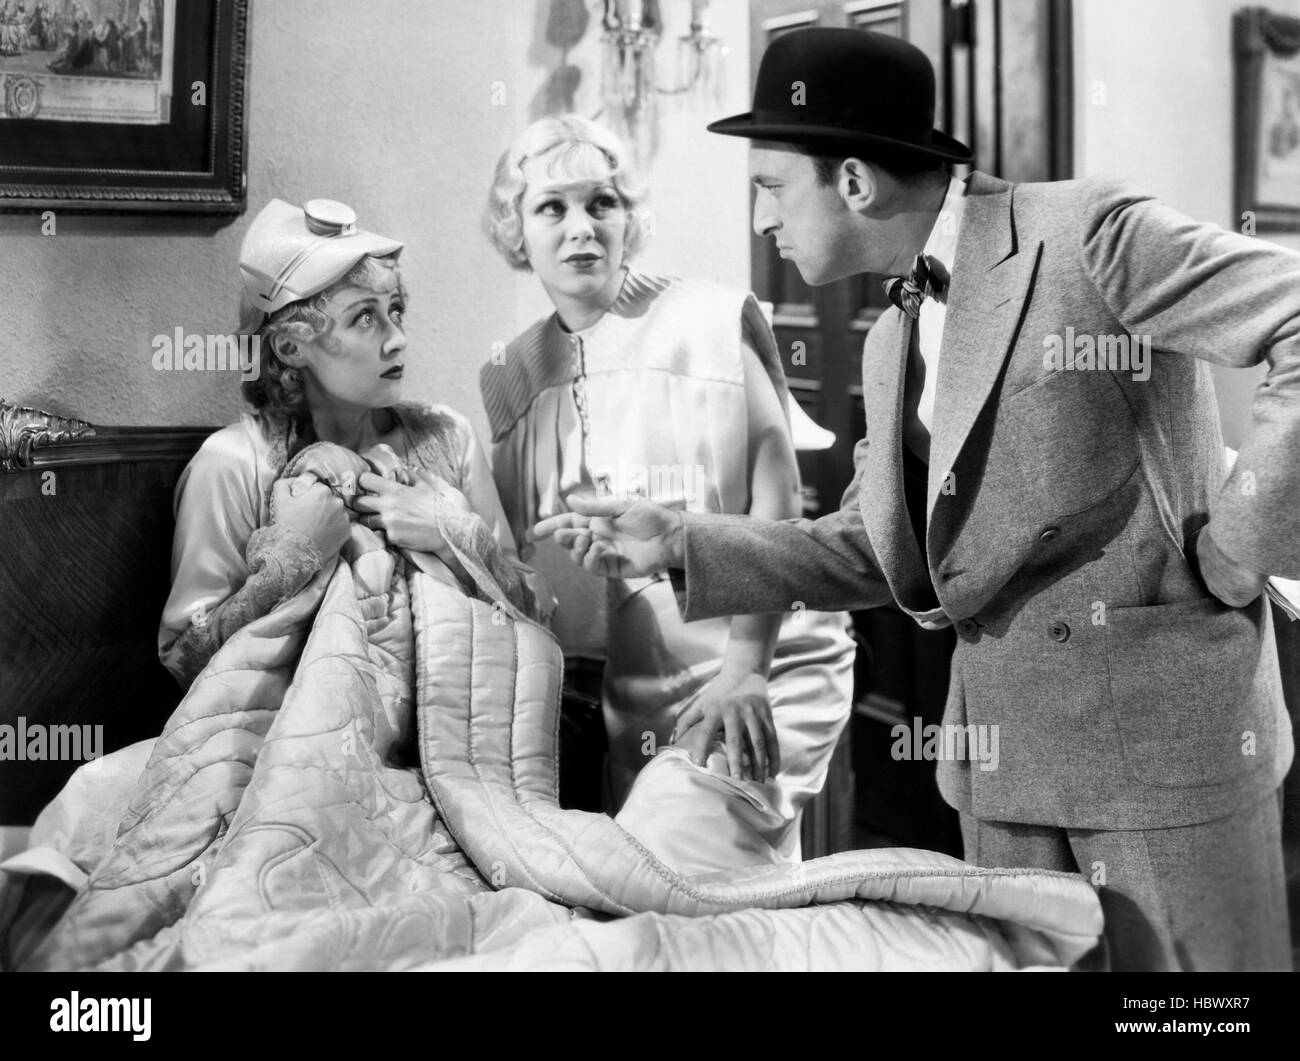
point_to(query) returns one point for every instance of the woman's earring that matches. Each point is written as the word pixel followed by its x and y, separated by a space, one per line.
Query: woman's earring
pixel 290 378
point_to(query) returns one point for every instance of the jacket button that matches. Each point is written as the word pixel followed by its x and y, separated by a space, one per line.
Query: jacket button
pixel 968 628
pixel 1060 632
pixel 1049 535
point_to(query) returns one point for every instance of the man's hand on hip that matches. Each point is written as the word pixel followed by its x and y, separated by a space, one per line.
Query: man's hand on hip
pixel 617 538
pixel 1233 584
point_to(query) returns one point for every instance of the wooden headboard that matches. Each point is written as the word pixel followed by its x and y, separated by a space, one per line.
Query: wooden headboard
pixel 85 531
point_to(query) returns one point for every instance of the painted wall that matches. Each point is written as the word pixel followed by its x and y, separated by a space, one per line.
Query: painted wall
pixel 698 183
pixel 1154 104
pixel 396 106
pixel 400 108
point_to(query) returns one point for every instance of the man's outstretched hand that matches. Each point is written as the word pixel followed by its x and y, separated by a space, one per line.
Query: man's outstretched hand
pixel 616 538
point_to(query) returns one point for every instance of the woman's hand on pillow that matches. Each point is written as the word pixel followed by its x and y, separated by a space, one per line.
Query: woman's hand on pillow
pixel 409 515
pixel 738 705
pixel 311 508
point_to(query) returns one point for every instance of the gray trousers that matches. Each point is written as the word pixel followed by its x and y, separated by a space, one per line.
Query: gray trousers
pixel 1207 897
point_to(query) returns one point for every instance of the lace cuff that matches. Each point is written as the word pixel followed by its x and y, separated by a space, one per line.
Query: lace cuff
pixel 281 562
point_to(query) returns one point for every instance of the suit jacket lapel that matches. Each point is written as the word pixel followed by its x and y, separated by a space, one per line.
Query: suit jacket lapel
pixel 991 279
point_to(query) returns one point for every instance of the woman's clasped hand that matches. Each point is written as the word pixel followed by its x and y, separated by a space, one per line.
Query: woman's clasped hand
pixel 312 510
pixel 409 516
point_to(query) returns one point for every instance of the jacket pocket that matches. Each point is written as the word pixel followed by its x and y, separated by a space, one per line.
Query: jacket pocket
pixel 1074 441
pixel 1193 687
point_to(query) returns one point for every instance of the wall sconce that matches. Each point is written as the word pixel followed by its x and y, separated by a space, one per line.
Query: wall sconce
pixel 701 60
pixel 632 30
pixel 629 86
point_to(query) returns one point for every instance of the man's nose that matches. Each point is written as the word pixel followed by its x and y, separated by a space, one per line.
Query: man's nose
pixel 764 217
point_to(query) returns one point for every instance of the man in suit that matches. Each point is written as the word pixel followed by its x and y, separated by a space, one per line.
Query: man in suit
pixel 1044 471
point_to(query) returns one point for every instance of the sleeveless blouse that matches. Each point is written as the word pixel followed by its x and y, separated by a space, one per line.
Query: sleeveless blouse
pixel 649 402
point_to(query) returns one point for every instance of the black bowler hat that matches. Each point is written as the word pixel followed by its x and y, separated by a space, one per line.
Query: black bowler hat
pixel 850 92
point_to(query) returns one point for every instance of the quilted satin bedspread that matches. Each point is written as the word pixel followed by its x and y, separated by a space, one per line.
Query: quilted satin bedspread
pixel 365 779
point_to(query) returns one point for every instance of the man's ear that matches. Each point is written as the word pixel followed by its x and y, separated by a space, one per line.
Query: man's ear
pixel 857 184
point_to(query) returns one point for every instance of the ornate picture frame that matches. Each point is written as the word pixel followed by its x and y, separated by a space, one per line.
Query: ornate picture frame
pixel 124 106
pixel 1267 49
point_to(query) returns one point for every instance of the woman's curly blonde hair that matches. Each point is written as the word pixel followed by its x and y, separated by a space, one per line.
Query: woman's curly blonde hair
pixel 279 387
pixel 575 149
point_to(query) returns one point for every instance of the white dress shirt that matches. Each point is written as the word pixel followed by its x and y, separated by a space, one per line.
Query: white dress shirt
pixel 927 334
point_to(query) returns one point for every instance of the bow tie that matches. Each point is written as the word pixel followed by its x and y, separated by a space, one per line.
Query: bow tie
pixel 928 279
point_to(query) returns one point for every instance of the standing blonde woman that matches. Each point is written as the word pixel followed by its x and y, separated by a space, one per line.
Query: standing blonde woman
pixel 647 386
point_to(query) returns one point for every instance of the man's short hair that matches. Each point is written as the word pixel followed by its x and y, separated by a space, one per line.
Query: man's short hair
pixel 827 166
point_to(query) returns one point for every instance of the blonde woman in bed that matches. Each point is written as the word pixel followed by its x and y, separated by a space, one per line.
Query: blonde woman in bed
pixel 641 385
pixel 327 301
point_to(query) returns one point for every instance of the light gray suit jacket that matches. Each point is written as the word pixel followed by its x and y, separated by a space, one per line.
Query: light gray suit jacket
pixel 1124 695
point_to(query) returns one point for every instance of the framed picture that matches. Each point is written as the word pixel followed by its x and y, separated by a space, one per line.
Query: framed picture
pixel 1268 117
pixel 126 106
